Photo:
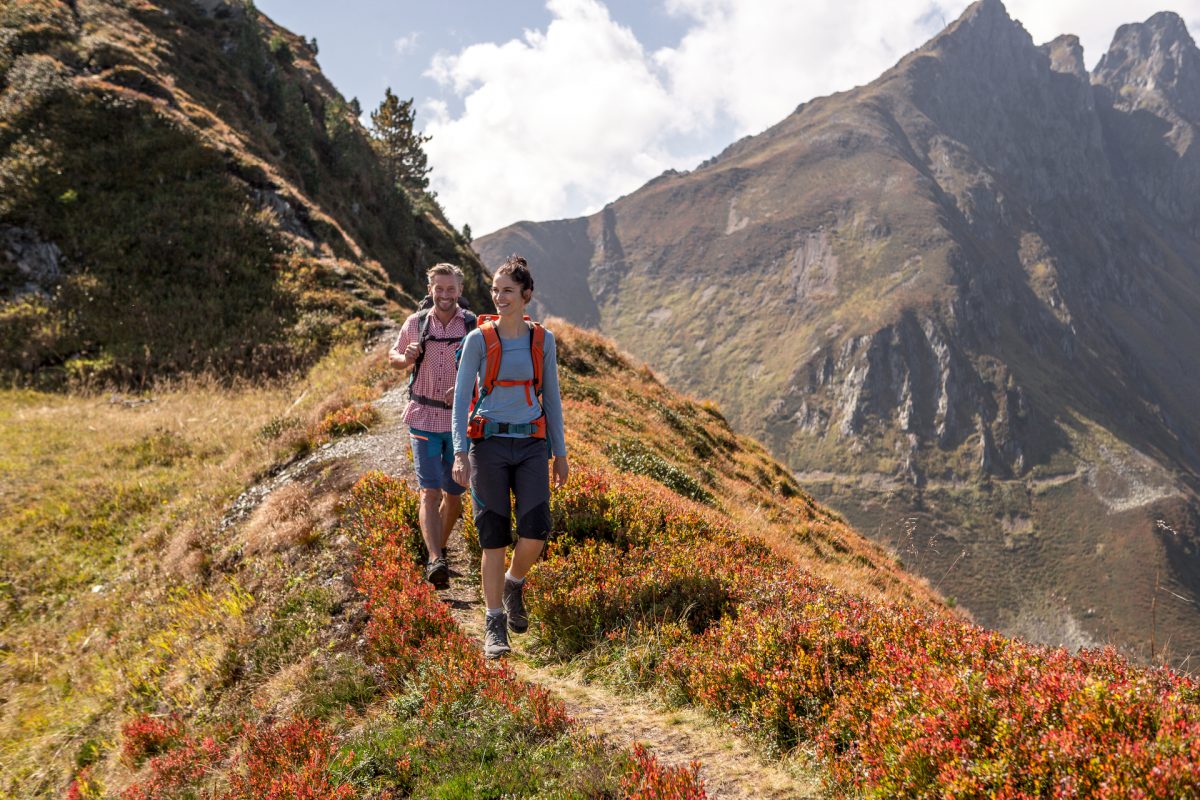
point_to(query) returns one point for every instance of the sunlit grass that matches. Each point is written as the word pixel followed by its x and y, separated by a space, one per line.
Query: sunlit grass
pixel 109 522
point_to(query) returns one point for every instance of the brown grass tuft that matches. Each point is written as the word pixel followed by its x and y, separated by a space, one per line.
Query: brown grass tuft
pixel 286 519
pixel 186 556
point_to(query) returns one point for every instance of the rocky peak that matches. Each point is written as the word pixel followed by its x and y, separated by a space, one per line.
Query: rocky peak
pixel 1149 80
pixel 1066 55
pixel 1024 114
pixel 1153 58
pixel 984 37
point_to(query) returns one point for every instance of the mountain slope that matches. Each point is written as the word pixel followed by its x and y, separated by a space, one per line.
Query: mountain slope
pixel 288 640
pixel 181 189
pixel 959 302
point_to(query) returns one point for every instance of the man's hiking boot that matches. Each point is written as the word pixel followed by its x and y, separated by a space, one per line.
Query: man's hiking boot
pixel 438 573
pixel 514 606
pixel 495 636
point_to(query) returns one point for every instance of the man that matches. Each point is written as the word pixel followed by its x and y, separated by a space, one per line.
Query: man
pixel 428 343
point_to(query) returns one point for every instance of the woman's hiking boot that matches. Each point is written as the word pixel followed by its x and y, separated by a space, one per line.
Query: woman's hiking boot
pixel 514 606
pixel 495 636
pixel 437 572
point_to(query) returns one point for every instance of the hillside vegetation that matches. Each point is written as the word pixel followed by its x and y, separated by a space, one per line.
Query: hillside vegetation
pixel 212 584
pixel 181 190
pixel 284 645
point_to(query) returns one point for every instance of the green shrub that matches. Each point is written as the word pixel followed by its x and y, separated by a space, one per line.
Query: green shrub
pixel 633 456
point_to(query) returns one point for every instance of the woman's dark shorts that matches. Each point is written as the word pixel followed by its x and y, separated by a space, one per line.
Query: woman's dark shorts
pixel 502 464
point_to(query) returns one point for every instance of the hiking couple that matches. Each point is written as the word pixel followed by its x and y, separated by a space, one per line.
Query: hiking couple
pixel 499 443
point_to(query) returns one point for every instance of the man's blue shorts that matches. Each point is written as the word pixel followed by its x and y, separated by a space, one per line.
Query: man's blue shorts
pixel 433 456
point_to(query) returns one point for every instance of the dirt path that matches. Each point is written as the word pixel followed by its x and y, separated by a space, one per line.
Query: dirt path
pixel 731 767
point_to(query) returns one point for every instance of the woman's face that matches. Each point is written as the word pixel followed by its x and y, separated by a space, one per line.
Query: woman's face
pixel 506 294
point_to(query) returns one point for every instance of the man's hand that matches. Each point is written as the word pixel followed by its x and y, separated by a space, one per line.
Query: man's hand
pixel 461 472
pixel 450 397
pixel 561 471
pixel 406 358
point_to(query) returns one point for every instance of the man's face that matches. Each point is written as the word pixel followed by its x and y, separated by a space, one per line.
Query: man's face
pixel 445 289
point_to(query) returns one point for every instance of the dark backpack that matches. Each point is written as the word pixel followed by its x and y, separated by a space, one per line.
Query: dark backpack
pixel 423 314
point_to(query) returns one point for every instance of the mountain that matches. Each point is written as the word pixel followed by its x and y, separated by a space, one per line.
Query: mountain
pixel 182 190
pixel 960 303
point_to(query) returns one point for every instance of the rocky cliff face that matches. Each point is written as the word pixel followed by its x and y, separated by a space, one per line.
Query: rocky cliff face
pixel 960 301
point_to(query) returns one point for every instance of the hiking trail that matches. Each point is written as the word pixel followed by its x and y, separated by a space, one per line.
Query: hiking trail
pixel 730 765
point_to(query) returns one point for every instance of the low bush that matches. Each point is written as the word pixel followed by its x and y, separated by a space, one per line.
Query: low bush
pixel 650 780
pixel 635 457
pixel 145 736
pixel 288 761
pixel 897 703
pixel 355 418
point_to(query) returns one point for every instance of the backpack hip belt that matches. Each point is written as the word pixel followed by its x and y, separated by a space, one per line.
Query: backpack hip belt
pixel 483 428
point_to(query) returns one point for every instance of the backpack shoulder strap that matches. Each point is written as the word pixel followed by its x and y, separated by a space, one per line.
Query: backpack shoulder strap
pixel 493 351
pixel 422 335
pixel 537 349
pixel 470 320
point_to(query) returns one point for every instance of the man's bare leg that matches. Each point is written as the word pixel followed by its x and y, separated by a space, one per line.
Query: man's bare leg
pixel 431 521
pixel 449 511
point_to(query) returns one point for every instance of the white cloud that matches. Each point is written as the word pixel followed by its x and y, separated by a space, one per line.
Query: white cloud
pixel 553 124
pixel 406 43
pixel 755 62
pixel 561 121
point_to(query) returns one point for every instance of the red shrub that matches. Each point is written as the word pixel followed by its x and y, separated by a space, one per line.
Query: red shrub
pixel 183 766
pixel 649 780
pixel 82 787
pixel 288 761
pixel 900 704
pixel 145 736
pixel 356 418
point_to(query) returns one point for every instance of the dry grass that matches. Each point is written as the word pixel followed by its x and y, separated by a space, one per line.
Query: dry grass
pixel 114 594
pixel 284 520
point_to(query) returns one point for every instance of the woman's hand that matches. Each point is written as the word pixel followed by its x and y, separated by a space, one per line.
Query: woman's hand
pixel 461 471
pixel 561 471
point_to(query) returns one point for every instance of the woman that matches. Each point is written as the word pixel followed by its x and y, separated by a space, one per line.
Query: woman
pixel 502 443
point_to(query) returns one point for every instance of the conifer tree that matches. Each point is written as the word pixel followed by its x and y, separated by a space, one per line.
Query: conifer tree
pixel 400 147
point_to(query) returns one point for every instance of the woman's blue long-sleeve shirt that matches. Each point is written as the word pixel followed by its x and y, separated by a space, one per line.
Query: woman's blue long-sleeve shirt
pixel 507 403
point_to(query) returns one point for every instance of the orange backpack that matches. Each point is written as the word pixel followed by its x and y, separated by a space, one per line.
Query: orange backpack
pixel 480 427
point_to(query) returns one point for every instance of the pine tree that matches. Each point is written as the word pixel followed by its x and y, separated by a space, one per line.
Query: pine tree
pixel 398 144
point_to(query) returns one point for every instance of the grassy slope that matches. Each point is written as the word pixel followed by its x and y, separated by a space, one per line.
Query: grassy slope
pixel 151 604
pixel 111 526
pixel 257 229
pixel 250 644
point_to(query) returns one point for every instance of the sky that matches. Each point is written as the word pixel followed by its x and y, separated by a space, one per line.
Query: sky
pixel 549 109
